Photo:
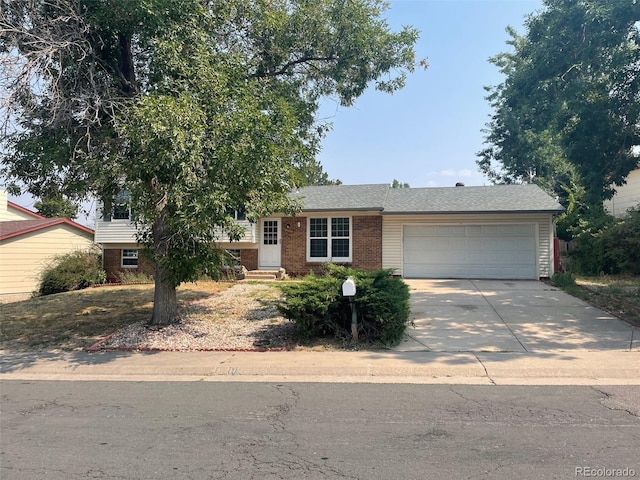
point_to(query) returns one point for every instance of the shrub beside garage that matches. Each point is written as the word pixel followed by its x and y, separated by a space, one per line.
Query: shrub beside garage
pixel 610 246
pixel 317 306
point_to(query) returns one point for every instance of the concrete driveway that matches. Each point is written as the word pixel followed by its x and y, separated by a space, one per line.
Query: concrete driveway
pixel 508 316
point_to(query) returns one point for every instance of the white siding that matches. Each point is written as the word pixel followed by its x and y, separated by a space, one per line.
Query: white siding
pixel 392 234
pixel 250 235
pixel 627 196
pixel 115 231
pixel 23 257
pixel 545 247
pixel 124 232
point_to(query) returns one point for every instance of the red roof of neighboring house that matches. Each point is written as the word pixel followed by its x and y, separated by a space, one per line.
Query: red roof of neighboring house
pixel 16 228
pixel 23 209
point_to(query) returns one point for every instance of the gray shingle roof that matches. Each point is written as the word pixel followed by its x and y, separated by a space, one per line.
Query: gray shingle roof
pixel 491 199
pixel 342 197
pixel 379 197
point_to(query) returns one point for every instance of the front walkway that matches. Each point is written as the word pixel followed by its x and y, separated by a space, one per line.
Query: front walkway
pixel 508 316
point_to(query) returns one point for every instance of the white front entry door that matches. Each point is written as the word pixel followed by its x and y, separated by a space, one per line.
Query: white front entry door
pixel 270 239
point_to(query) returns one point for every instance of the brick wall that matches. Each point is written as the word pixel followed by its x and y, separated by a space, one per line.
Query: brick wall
pixel 112 259
pixel 294 247
pixel 249 258
pixel 366 243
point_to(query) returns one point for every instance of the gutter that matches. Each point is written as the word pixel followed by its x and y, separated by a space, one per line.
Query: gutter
pixel 467 212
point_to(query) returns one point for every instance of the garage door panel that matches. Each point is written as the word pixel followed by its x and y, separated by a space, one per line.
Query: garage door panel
pixel 470 251
pixel 419 231
pixel 491 230
pixel 523 230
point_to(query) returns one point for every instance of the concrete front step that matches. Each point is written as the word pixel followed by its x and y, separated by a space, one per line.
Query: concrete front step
pixel 264 275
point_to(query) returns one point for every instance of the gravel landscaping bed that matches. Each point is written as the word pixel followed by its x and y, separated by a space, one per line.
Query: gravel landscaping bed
pixel 242 317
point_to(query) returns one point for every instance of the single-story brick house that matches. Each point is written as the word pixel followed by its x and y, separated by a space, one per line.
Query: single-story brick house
pixel 503 231
pixel 28 242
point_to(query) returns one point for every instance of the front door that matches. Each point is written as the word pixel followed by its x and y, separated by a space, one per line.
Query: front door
pixel 270 243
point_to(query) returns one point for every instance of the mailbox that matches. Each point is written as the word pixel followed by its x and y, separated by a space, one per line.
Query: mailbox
pixel 349 287
pixel 349 290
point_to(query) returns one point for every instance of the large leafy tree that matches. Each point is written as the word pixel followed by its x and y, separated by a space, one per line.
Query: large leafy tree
pixel 53 206
pixel 567 114
pixel 192 106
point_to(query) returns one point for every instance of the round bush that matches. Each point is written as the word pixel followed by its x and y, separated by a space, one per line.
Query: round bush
pixel 317 306
pixel 72 271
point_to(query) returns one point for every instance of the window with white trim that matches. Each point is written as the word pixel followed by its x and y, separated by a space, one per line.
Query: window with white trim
pixel 329 239
pixel 121 211
pixel 117 208
pixel 129 258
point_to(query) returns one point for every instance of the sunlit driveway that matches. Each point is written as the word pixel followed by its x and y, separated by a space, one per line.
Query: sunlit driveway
pixel 508 316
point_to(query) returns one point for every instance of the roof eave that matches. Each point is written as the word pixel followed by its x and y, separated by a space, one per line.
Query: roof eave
pixel 320 210
pixel 475 212
pixel 24 209
pixel 54 222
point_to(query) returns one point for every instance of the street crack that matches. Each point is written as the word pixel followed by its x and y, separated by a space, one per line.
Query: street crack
pixel 484 368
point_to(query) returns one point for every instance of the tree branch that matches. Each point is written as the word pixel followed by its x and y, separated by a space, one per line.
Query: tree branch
pixel 285 68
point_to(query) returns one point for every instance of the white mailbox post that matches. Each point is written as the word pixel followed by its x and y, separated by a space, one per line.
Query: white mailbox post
pixel 349 290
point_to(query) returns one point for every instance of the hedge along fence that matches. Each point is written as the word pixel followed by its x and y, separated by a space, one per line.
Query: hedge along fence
pixel 317 306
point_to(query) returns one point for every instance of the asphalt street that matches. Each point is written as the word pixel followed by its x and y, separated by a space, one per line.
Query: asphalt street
pixel 234 430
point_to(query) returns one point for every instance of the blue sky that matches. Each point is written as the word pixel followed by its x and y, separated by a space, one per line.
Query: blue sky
pixel 427 134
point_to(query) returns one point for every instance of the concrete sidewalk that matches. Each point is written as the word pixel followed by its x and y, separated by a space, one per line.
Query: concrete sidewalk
pixel 564 368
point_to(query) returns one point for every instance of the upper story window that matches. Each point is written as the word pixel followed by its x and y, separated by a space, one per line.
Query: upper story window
pixel 119 208
pixel 237 214
pixel 121 212
pixel 329 239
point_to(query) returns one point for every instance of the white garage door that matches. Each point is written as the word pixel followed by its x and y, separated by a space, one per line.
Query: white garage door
pixel 469 251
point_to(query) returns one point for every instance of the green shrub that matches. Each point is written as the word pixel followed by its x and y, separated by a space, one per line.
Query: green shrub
pixel 317 306
pixel 72 271
pixel 127 276
pixel 312 303
pixel 611 247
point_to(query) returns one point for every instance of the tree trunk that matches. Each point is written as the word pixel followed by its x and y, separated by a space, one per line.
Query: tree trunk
pixel 165 303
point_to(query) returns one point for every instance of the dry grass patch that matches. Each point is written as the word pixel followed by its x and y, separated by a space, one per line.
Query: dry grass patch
pixel 615 294
pixel 75 320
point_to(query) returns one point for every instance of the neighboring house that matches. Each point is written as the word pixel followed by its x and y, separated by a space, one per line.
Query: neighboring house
pixel 501 231
pixel 626 196
pixel 28 241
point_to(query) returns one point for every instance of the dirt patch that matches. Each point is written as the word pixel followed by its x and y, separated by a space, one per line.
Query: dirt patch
pixel 620 297
pixel 243 317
